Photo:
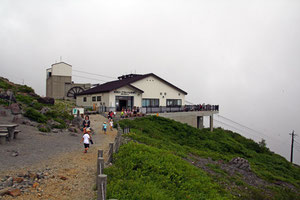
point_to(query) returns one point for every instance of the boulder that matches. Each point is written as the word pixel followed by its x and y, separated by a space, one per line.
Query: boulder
pixel 52 123
pixel 15 192
pixel 18 119
pixel 8 95
pixel 3 113
pixel 46 100
pixel 4 191
pixel 15 109
pixel 77 121
pixel 240 163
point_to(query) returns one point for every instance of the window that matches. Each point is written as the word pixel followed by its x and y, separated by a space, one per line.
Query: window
pixel 150 102
pixel 84 99
pixel 98 98
pixel 93 98
pixel 174 102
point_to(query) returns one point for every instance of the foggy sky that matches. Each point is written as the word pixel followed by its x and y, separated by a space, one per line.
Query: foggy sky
pixel 243 55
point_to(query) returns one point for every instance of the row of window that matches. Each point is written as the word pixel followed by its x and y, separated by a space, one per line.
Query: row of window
pixel 94 98
pixel 155 102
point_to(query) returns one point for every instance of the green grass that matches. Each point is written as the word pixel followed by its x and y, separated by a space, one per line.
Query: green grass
pixel 163 138
pixel 182 139
pixel 145 172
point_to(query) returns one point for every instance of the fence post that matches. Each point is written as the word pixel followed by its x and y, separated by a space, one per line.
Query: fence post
pixel 100 168
pixel 111 152
pixel 100 153
pixel 101 185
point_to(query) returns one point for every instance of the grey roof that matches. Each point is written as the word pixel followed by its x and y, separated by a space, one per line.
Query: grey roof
pixel 124 81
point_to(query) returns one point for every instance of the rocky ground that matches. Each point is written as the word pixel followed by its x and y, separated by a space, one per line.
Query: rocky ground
pixel 51 165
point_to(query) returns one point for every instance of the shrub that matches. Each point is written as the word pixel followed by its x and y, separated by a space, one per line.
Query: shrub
pixel 44 129
pixel 35 115
pixel 25 89
pixel 25 99
pixel 5 85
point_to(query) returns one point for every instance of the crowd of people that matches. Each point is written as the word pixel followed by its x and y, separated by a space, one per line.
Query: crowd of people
pixel 201 107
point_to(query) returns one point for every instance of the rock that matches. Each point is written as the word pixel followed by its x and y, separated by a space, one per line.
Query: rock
pixel 15 109
pixel 46 100
pixel 35 185
pixel 8 95
pixel 54 131
pixel 18 179
pixel 15 192
pixel 44 110
pixel 77 122
pixel 3 113
pixel 52 123
pixel 18 119
pixel 8 182
pixel 240 163
pixel 4 191
pixel 63 178
pixel 14 154
pixel 32 175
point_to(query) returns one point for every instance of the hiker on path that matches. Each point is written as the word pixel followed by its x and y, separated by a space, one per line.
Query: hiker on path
pixel 86 141
pixel 86 122
pixel 104 127
pixel 111 124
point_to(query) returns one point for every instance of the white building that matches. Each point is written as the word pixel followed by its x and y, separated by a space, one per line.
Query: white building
pixel 131 91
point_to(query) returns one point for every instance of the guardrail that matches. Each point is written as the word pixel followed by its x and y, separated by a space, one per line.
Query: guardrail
pixel 101 180
pixel 163 109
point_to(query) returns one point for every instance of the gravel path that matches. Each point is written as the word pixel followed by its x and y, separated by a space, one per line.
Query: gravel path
pixel 63 155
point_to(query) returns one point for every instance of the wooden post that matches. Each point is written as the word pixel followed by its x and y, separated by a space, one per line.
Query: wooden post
pixel 111 152
pixel 100 153
pixel 101 185
pixel 100 165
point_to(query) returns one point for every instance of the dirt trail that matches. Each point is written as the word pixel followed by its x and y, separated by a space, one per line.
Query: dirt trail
pixel 78 168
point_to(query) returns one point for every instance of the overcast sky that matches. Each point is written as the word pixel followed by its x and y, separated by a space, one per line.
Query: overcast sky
pixel 243 55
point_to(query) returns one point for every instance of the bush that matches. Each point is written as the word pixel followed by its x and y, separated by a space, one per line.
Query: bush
pixel 35 115
pixel 25 89
pixel 44 129
pixel 4 102
pixel 25 99
pixel 5 85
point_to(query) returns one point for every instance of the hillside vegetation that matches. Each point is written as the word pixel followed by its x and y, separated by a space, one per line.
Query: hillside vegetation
pixel 49 116
pixel 155 165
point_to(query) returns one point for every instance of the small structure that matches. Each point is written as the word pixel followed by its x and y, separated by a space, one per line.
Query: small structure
pixel 59 84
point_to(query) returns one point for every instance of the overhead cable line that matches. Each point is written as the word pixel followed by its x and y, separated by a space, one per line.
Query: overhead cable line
pixel 94 74
pixel 89 78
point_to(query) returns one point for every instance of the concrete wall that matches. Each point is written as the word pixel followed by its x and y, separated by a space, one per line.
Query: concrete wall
pixel 55 87
pixel 194 118
pixel 61 69
pixel 156 89
pixel 89 102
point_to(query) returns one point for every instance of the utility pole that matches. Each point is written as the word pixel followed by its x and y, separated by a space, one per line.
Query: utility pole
pixel 292 146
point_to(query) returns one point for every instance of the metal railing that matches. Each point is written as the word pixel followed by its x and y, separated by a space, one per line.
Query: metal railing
pixel 164 109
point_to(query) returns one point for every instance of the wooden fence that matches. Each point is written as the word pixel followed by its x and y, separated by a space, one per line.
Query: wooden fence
pixel 101 180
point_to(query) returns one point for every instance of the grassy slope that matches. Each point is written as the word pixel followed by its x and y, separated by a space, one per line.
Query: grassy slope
pixel 59 112
pixel 167 138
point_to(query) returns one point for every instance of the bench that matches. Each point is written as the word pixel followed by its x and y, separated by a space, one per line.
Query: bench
pixel 10 129
pixel 6 132
pixel 3 137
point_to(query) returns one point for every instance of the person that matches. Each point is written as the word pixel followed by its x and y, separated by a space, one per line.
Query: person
pixel 122 114
pixel 86 141
pixel 104 127
pixel 88 131
pixel 86 122
pixel 111 124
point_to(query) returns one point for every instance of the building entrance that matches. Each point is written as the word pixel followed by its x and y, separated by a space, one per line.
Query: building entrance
pixel 124 102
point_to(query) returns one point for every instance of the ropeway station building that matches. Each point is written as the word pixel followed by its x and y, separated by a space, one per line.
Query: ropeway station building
pixel 149 93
